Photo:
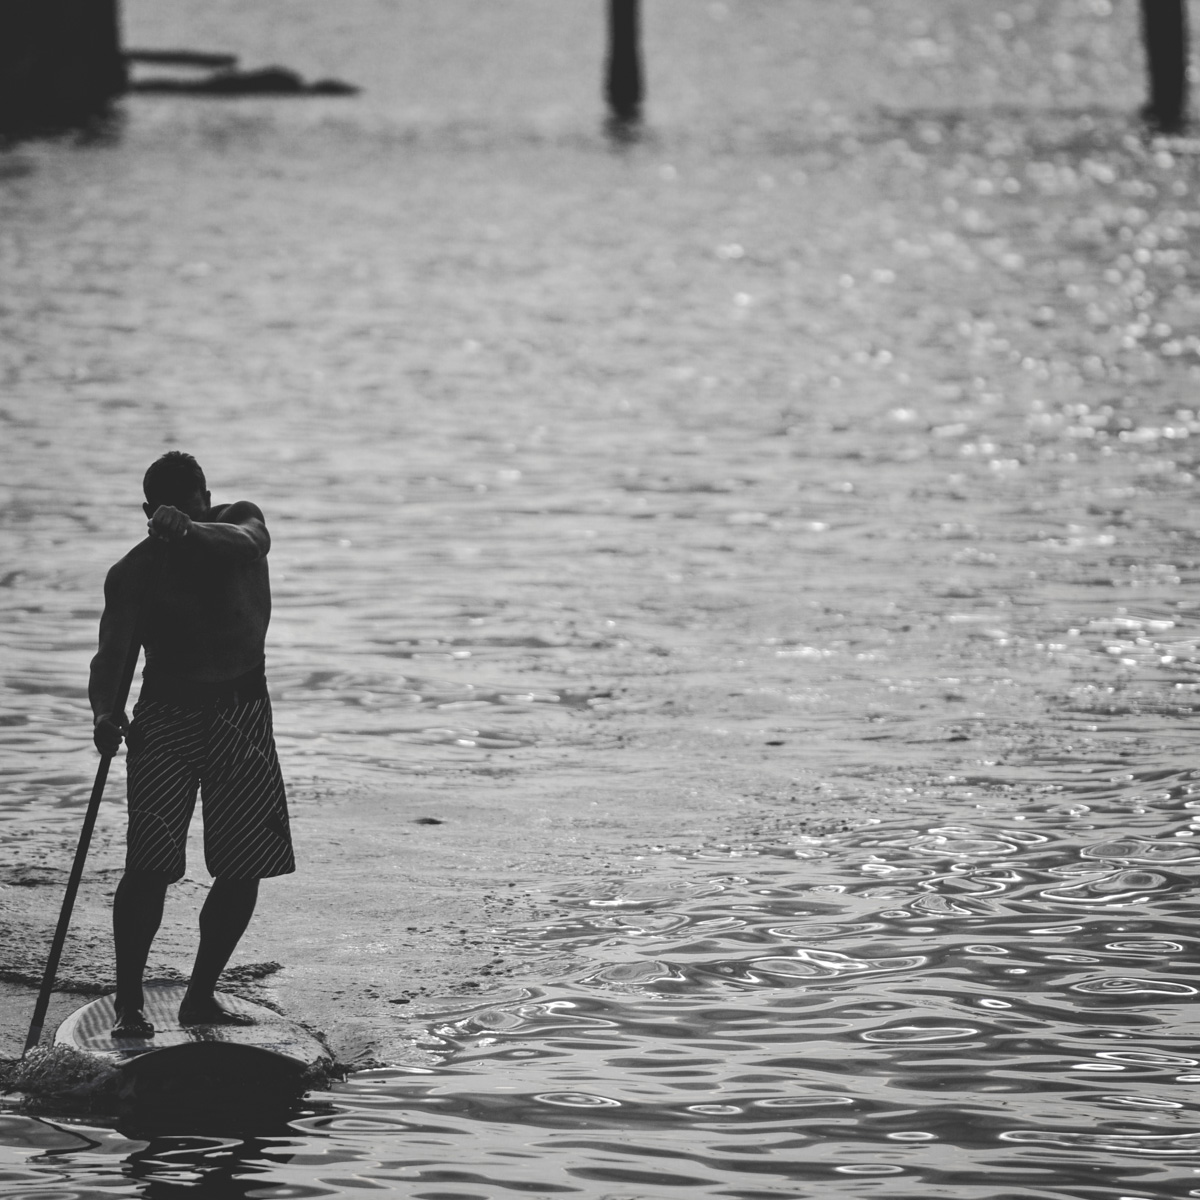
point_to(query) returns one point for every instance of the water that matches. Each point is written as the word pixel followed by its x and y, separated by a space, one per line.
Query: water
pixel 767 549
pixel 997 1008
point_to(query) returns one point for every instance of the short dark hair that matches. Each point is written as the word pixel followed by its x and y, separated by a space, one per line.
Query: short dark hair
pixel 173 479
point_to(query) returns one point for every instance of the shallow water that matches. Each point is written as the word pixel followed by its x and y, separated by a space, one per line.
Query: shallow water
pixel 829 454
pixel 1001 1007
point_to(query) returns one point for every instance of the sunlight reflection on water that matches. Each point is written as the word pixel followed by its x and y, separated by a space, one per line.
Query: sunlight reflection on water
pixel 894 1035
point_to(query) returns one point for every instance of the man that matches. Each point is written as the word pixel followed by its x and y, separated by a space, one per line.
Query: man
pixel 197 596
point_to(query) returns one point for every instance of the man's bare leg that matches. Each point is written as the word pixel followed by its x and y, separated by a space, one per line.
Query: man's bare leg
pixel 223 920
pixel 137 914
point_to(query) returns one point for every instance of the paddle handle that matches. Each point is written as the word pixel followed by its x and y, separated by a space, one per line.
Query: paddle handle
pixel 81 853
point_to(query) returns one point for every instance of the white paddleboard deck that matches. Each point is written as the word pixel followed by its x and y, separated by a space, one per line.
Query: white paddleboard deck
pixel 272 1042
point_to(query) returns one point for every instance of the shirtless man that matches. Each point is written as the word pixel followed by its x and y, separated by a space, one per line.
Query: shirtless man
pixel 197 596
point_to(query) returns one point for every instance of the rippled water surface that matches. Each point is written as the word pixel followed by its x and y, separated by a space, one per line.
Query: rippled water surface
pixel 999 1007
pixel 820 469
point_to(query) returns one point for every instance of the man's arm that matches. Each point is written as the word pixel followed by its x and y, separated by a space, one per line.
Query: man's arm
pixel 118 631
pixel 239 536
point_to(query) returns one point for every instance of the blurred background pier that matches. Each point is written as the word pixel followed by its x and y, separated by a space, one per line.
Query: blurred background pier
pixel 1164 27
pixel 625 89
pixel 62 64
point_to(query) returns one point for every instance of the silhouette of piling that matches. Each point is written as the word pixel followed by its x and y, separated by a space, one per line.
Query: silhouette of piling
pixel 624 88
pixel 1164 29
pixel 60 63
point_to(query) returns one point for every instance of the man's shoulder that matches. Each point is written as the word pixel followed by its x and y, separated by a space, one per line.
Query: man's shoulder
pixel 131 570
pixel 236 513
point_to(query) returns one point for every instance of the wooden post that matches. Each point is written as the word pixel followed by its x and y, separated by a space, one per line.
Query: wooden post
pixel 1164 28
pixel 624 89
pixel 60 62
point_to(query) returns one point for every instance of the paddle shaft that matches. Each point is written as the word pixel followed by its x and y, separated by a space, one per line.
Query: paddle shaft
pixel 81 853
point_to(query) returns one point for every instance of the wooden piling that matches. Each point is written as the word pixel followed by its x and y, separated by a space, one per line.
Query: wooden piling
pixel 60 62
pixel 624 88
pixel 1164 29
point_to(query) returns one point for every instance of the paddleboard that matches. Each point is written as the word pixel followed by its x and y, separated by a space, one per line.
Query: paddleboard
pixel 272 1054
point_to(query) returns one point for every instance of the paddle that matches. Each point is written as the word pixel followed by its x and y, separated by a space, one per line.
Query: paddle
pixel 81 852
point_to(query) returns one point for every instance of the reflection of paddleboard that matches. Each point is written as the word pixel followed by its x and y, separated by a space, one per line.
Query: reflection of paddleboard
pixel 273 1053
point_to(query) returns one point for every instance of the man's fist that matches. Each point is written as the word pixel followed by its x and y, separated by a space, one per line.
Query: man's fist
pixel 108 733
pixel 169 524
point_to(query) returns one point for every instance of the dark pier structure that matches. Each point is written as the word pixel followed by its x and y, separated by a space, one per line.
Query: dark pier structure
pixel 624 89
pixel 1164 28
pixel 1164 35
pixel 61 63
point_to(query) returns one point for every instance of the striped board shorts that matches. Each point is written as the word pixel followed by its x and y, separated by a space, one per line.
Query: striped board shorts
pixel 218 740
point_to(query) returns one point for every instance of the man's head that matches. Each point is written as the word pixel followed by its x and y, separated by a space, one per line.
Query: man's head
pixel 176 479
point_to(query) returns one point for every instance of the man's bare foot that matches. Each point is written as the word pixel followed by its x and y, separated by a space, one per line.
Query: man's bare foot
pixel 132 1023
pixel 209 1012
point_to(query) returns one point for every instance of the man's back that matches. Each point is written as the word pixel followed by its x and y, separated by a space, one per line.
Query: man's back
pixel 207 614
pixel 201 603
